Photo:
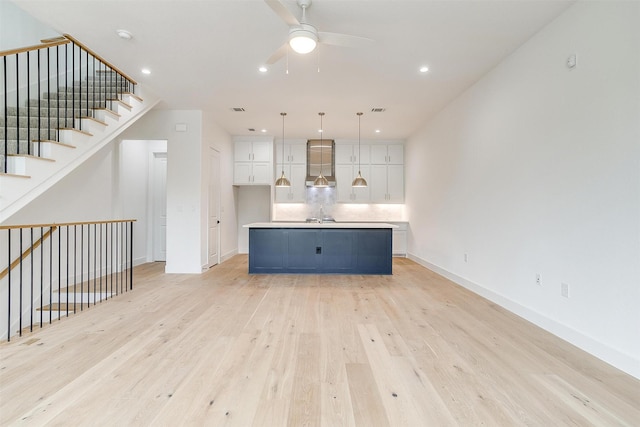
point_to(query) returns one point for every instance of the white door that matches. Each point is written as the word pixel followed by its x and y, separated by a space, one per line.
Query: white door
pixel 214 208
pixel 159 185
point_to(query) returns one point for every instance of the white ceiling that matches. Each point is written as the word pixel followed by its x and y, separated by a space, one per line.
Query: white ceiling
pixel 205 55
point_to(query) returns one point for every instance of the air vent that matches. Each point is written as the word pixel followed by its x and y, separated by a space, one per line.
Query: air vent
pixel 378 110
pixel 251 129
pixel 237 109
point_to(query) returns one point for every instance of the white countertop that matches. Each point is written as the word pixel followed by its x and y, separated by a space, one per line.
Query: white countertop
pixel 318 225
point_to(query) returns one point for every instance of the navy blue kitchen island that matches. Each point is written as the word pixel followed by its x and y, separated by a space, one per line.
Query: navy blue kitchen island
pixel 312 248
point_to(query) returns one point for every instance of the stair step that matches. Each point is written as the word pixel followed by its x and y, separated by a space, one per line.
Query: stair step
pixel 22 134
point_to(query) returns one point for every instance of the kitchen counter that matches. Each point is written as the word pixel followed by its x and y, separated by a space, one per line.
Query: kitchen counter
pixel 302 224
pixel 320 248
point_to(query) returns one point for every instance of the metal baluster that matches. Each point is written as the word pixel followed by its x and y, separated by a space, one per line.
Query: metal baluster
pixel 81 265
pixel 73 89
pixel 17 111
pixel 41 273
pixel 57 90
pixel 75 265
pixel 31 283
pixel 6 117
pixel 131 258
pixel 20 299
pixel 48 98
pixel 9 278
pixel 87 78
pixel 28 114
pixel 95 259
pixel 67 259
pixel 51 275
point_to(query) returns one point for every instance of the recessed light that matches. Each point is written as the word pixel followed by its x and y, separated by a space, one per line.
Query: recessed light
pixel 424 69
pixel 262 69
pixel 319 130
pixel 263 131
pixel 145 71
pixel 377 130
pixel 124 34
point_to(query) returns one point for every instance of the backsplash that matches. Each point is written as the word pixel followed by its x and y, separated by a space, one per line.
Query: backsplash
pixel 325 198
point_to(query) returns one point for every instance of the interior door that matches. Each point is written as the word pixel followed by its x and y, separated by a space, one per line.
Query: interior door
pixel 214 208
pixel 159 206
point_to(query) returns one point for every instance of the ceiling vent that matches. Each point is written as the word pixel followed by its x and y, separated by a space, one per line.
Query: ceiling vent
pixel 251 129
pixel 378 110
pixel 237 109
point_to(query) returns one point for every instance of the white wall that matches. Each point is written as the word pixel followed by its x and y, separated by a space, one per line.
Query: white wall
pixel 536 169
pixel 184 172
pixel 187 178
pixel 83 195
pixel 214 137
pixel 19 29
pixel 254 205
pixel 135 196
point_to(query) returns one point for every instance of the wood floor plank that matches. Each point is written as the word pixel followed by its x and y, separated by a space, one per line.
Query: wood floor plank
pixel 228 348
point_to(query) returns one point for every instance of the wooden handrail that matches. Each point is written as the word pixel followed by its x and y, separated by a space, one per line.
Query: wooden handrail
pixel 65 224
pixel 65 39
pixel 34 47
pixel 100 58
pixel 27 252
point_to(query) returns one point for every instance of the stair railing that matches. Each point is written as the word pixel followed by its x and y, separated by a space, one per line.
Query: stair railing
pixel 68 80
pixel 53 270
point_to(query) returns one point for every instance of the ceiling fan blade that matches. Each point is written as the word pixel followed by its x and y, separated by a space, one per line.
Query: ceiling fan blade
pixel 275 57
pixel 282 11
pixel 345 40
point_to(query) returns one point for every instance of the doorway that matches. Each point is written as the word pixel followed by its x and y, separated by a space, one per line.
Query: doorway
pixel 214 208
pixel 159 206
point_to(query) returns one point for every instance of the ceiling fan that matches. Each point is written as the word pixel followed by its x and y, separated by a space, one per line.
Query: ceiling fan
pixel 303 36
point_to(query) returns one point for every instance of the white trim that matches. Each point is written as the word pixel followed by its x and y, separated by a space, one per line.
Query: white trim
pixel 620 360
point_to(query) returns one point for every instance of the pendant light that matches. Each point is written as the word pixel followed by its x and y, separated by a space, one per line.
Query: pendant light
pixel 283 181
pixel 321 181
pixel 359 181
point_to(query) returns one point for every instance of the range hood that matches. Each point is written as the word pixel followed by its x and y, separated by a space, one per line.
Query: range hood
pixel 321 158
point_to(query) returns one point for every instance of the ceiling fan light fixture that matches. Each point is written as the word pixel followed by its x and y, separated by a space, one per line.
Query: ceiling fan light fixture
pixel 303 39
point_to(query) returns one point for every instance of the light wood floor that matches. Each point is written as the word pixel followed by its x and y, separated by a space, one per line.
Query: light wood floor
pixel 226 348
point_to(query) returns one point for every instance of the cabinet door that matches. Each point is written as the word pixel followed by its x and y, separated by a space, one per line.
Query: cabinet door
pixel 298 189
pixel 262 173
pixel 278 156
pixel 262 151
pixel 343 183
pixel 363 154
pixel 395 154
pixel 395 184
pixel 378 154
pixel 344 154
pixel 282 193
pixel 362 194
pixel 378 183
pixel 242 151
pixel 242 173
pixel 297 153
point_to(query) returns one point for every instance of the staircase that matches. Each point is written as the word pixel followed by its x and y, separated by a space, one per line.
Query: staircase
pixel 43 138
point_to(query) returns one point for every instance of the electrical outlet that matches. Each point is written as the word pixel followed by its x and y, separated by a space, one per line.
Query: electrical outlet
pixel 564 290
pixel 538 279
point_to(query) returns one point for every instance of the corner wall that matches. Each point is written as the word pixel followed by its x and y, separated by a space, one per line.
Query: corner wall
pixel 536 170
pixel 184 202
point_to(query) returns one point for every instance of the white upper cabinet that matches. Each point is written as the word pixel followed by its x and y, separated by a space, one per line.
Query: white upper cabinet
pixel 253 162
pixel 389 154
pixel 293 153
pixel 295 173
pixel 344 177
pixel 351 154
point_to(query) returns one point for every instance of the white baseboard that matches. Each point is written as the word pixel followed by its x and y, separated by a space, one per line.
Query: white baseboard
pixel 615 358
pixel 228 255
